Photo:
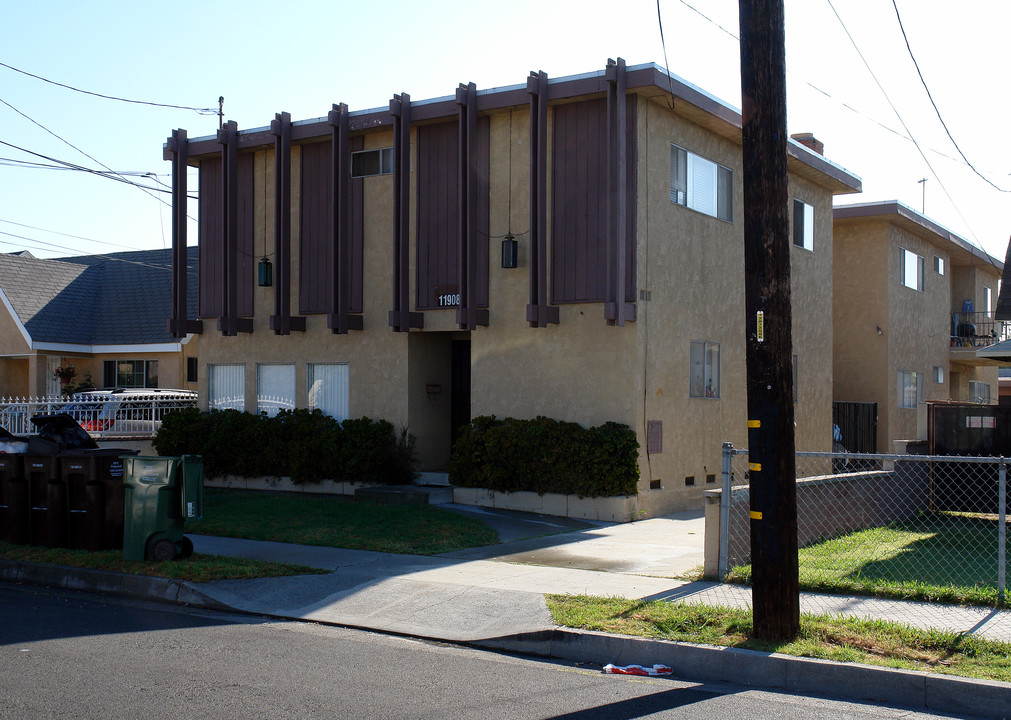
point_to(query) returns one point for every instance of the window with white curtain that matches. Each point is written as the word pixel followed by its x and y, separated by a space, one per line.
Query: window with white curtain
pixel 910 388
pixel 328 389
pixel 704 377
pixel 275 388
pixel 226 387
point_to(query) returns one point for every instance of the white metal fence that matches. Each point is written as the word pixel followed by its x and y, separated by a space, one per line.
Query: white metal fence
pixel 866 521
pixel 112 415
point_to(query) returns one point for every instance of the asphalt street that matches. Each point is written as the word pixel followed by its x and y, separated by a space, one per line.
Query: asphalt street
pixel 71 654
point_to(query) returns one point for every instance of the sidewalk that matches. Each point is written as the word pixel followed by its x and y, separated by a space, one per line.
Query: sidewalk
pixel 494 598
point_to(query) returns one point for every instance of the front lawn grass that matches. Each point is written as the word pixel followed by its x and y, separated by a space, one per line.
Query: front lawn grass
pixel 873 642
pixel 335 521
pixel 198 568
pixel 935 557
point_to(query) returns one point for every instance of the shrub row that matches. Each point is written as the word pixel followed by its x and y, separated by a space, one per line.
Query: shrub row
pixel 546 456
pixel 306 445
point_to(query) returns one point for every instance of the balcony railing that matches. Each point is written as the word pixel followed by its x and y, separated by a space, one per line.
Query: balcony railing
pixel 108 416
pixel 977 329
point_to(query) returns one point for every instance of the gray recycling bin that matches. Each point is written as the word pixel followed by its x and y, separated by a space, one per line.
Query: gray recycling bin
pixel 161 494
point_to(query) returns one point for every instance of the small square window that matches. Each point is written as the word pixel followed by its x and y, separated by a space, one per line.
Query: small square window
pixel 367 163
pixel 939 375
pixel 690 480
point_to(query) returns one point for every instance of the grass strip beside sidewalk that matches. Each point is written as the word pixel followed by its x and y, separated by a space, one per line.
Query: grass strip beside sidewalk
pixel 198 568
pixel 872 642
pixel 335 521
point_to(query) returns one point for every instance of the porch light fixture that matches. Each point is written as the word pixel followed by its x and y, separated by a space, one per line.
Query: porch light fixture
pixel 265 273
pixel 510 248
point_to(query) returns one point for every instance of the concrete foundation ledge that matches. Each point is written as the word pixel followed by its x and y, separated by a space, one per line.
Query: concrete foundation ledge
pixel 909 688
pixel 607 509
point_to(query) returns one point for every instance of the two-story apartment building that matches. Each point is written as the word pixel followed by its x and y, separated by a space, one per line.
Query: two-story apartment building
pixel 914 313
pixel 567 247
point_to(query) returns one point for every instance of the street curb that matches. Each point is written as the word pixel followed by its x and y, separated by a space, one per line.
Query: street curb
pixel 693 663
pixel 138 587
pixel 852 681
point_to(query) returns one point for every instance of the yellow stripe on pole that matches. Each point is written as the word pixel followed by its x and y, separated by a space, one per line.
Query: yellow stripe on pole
pixel 755 515
pixel 754 423
pixel 757 467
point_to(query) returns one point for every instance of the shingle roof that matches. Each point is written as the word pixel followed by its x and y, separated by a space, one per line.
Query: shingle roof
pixel 114 299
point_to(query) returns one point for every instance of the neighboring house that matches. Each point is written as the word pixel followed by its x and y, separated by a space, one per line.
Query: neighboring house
pixel 102 315
pixel 570 248
pixel 913 318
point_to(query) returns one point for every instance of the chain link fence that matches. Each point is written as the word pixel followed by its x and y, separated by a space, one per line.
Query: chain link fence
pixel 904 526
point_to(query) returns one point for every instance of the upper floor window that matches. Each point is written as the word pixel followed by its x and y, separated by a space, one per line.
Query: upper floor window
pixel 910 269
pixel 701 184
pixel 705 370
pixel 987 299
pixel 372 162
pixel 803 225
pixel 939 265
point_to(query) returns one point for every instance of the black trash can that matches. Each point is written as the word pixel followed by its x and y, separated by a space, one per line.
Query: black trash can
pixel 94 480
pixel 13 500
pixel 47 486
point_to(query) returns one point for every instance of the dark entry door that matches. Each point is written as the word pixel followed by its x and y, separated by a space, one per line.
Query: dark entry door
pixel 460 396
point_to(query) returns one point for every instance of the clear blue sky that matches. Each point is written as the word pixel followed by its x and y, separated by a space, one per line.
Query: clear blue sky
pixel 303 56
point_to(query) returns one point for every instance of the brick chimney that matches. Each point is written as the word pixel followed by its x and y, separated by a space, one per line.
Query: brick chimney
pixel 810 141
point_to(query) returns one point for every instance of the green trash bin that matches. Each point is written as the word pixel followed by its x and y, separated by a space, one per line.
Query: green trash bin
pixel 160 495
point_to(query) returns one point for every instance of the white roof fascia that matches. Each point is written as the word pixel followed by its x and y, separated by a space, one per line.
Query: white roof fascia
pixel 110 349
pixel 17 320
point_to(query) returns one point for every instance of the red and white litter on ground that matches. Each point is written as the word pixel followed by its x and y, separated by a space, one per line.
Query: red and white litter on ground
pixel 654 671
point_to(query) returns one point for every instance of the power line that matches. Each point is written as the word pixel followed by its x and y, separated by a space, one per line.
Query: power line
pixel 76 237
pixel 110 174
pixel 666 63
pixel 201 111
pixel 70 144
pixel 934 105
pixel 905 127
pixel 822 91
pixel 112 258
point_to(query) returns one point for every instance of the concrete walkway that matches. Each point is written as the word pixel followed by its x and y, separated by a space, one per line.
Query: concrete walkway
pixel 493 597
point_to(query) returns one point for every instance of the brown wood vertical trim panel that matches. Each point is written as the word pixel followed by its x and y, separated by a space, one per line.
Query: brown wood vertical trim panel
pixel 438 214
pixel 281 322
pixel 315 229
pixel 401 319
pixel 177 150
pixel 631 204
pixel 228 321
pixel 482 212
pixel 210 237
pixel 539 313
pixel 580 197
pixel 245 224
pixel 341 284
pixel 357 219
pixel 470 238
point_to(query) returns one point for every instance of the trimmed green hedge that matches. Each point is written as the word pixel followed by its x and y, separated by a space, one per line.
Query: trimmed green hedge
pixel 546 456
pixel 306 445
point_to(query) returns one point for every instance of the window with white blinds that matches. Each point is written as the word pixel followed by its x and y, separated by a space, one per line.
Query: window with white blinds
pixel 226 387
pixel 275 388
pixel 701 184
pixel 328 389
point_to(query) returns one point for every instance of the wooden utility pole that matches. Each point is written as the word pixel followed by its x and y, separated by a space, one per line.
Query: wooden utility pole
pixel 775 594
